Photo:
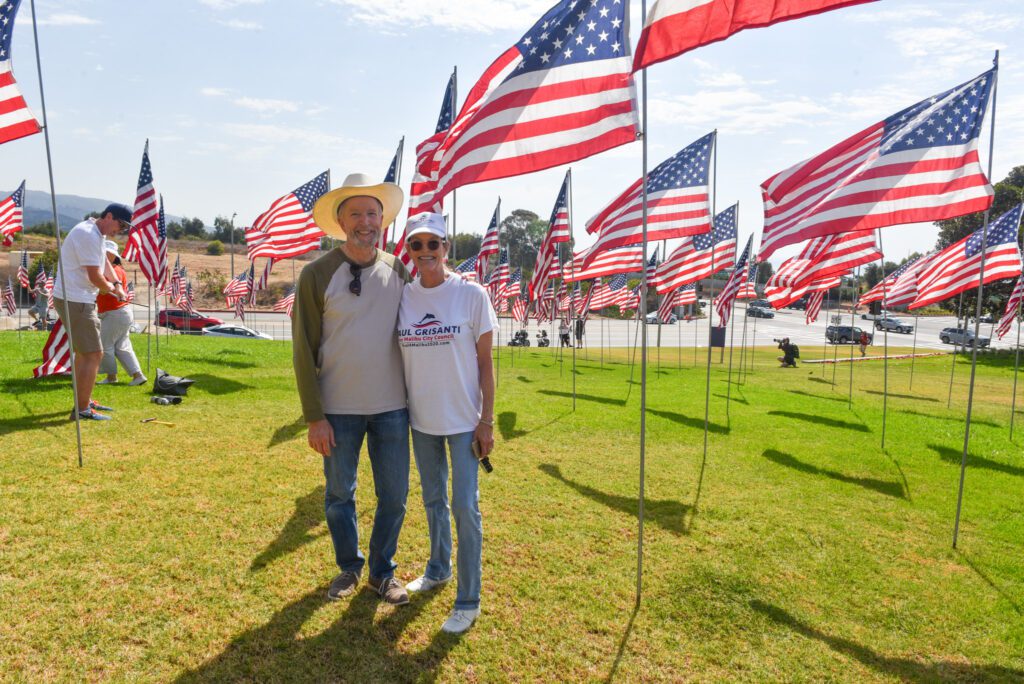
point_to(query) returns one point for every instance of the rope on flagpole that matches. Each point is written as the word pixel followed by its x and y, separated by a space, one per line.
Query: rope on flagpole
pixel 56 230
pixel 977 309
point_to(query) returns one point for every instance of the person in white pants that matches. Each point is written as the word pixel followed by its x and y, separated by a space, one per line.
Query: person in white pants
pixel 116 320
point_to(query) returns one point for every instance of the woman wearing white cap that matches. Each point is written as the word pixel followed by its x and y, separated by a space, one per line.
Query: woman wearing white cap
pixel 115 321
pixel 445 326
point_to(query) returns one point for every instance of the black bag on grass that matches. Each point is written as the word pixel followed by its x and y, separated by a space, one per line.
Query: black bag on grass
pixel 170 385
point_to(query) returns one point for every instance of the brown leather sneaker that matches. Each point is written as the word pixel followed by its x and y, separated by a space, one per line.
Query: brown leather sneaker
pixel 391 590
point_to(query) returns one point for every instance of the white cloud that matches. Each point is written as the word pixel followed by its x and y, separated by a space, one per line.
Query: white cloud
pixel 213 92
pixel 460 15
pixel 239 25
pixel 266 105
pixel 272 134
pixel 68 19
pixel 228 4
pixel 740 111
pixel 904 14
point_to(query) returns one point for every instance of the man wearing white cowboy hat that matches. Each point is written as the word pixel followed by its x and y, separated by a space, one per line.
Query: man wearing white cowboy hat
pixel 349 374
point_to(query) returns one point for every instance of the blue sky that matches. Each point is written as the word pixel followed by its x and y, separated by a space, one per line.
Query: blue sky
pixel 243 100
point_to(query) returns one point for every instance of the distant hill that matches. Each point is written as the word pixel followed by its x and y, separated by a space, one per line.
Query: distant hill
pixel 70 208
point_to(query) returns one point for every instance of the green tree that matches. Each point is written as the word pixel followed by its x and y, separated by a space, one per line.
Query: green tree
pixel 215 248
pixel 522 232
pixel 764 272
pixel 467 244
pixel 175 230
pixel 194 228
pixel 222 231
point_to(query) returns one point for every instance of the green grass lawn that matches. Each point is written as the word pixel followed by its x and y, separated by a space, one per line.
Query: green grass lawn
pixel 798 550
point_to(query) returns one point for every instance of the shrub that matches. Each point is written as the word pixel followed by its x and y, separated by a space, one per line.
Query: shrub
pixel 215 248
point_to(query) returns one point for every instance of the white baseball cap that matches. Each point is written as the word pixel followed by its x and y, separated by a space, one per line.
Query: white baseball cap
pixel 111 246
pixel 427 222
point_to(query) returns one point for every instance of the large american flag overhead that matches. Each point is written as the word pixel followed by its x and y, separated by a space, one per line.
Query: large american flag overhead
pixel 11 214
pixel 904 290
pixel 287 228
pixel 920 164
pixel 825 256
pixel 677 202
pixel 878 292
pixel 958 267
pixel 16 121
pixel 673 27
pixel 625 260
pixel 561 93
pixel 700 256
pixel 558 231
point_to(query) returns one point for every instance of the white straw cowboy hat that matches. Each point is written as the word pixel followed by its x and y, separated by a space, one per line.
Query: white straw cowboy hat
pixel 325 211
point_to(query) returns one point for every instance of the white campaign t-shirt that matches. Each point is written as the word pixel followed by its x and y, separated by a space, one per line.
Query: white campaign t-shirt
pixel 82 247
pixel 438 329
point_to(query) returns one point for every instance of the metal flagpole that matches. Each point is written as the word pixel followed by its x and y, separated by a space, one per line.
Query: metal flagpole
pixel 643 352
pixel 824 345
pixel 952 368
pixel 696 328
pixel 455 99
pixel 732 339
pixel 1016 366
pixel 601 323
pixel 56 230
pixel 853 311
pixel 679 344
pixel 150 324
pixel 743 345
pixel 835 344
pixel 711 297
pixel 21 305
pixel 885 337
pixel 977 309
pixel 913 353
pixel 572 296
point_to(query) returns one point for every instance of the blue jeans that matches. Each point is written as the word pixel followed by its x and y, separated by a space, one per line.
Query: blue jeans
pixel 432 463
pixel 388 444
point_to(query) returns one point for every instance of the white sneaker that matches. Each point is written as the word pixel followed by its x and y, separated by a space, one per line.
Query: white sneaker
pixel 141 380
pixel 459 621
pixel 107 381
pixel 424 583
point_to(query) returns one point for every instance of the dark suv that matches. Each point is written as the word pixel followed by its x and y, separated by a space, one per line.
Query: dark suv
pixel 176 319
pixel 844 334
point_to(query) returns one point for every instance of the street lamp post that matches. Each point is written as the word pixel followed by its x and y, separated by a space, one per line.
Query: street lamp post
pixel 232 274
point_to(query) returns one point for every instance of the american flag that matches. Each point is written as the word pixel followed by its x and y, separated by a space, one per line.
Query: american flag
pixel 1012 308
pixel 489 245
pixel 825 256
pixel 512 288
pixel 10 213
pixel 41 278
pixel 240 308
pixel 189 302
pixel 877 293
pixel 56 354
pixel 624 260
pixel 48 284
pixel 176 281
pixel 668 303
pixel 286 303
pixel 779 297
pixel 467 269
pixel 23 270
pixel 558 231
pixel 10 306
pixel 16 121
pixel 813 306
pixel 630 302
pixel 563 92
pixel 687 294
pixel 700 256
pixel 958 267
pixel 597 298
pixel 677 26
pixel 583 305
pixel 749 289
pixel 904 290
pixel 499 277
pixel 567 296
pixel 519 308
pixel 264 280
pixel 545 308
pixel 237 288
pixel 424 177
pixel 612 294
pixel 920 164
pixel 130 292
pixel 252 283
pixel 677 203
pixel 394 175
pixel 287 228
pixel 724 301
pixel 147 241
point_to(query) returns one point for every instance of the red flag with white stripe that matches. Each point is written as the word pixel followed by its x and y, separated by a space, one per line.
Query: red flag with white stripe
pixel 16 120
pixel 56 354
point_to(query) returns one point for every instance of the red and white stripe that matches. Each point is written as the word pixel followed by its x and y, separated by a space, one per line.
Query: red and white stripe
pixel 779 297
pixel 687 265
pixel 853 186
pixel 1012 309
pixel 625 260
pixel 668 304
pixel 825 256
pixel 10 306
pixel 950 273
pixel 11 215
pixel 56 354
pixel 813 306
pixel 16 119
pixel 286 303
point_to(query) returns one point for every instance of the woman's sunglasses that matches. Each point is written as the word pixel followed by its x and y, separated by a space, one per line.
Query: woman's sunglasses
pixel 417 245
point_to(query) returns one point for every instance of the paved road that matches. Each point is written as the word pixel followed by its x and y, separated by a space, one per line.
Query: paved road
pixel 613 333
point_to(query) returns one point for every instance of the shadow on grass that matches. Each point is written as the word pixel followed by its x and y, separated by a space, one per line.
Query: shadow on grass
pixel 36 421
pixel 816 396
pixel 697 423
pixel 989 582
pixel 905 669
pixel 211 384
pixel 288 432
pixel 667 514
pixel 622 643
pixel 360 646
pixel 821 420
pixel 507 425
pixel 523 378
pixel 814 378
pixel 47 383
pixel 738 399
pixel 951 455
pixel 900 396
pixel 220 362
pixel 296 533
pixel 584 397
pixel 881 486
pixel 955 419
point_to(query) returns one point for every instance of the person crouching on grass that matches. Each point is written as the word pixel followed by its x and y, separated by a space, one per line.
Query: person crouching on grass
pixel 445 327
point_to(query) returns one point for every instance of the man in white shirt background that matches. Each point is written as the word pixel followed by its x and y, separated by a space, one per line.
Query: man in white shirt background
pixel 82 273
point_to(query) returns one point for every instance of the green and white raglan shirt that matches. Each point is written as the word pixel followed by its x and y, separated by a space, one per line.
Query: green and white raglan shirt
pixel 344 346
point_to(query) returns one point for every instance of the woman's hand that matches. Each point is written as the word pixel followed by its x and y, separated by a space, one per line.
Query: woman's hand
pixel 484 436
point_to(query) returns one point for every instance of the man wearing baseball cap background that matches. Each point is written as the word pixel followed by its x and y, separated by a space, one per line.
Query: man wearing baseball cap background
pixel 83 272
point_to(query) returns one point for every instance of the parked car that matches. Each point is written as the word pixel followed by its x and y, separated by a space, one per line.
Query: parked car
pixel 845 334
pixel 799 305
pixel 652 318
pixel 760 312
pixel 893 325
pixel 235 330
pixel 962 337
pixel 761 303
pixel 176 319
